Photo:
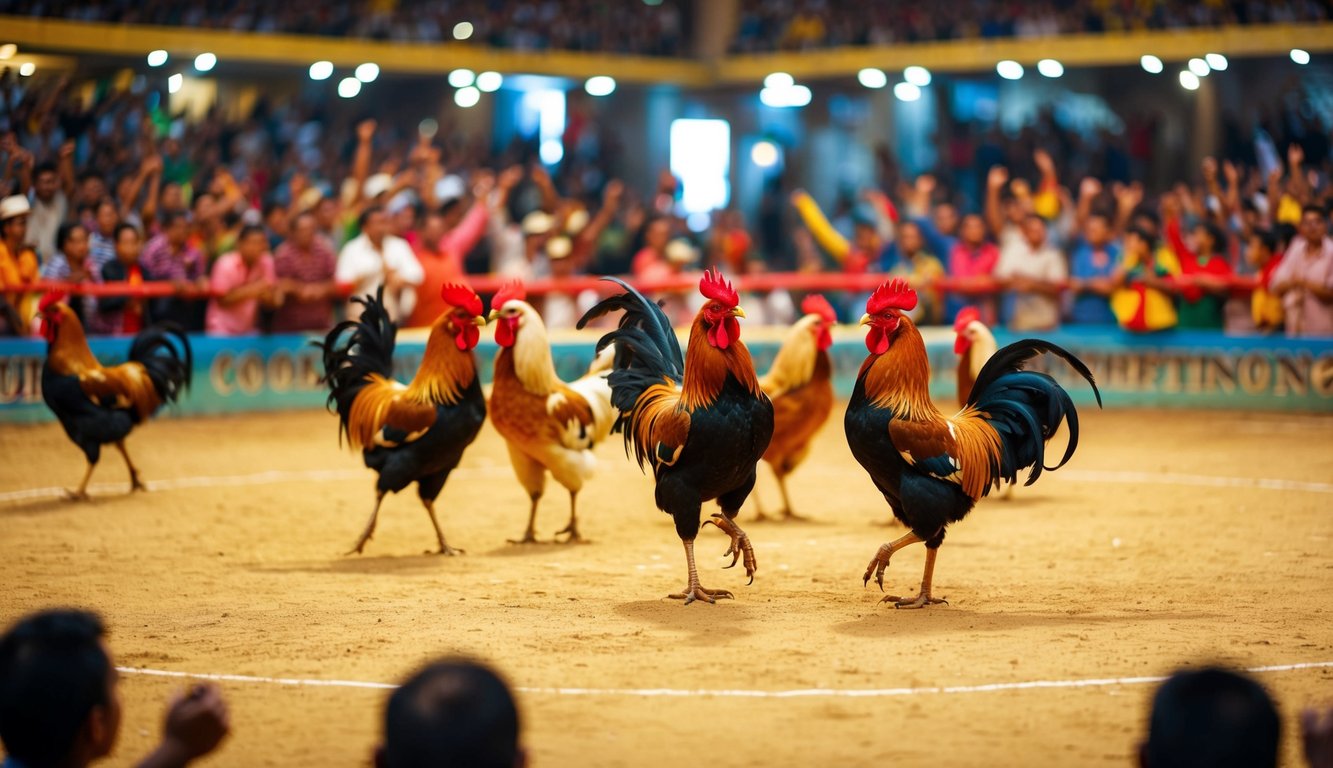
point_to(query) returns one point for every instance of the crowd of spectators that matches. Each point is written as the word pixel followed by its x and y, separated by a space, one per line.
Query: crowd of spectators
pixel 60 705
pixel 795 25
pixel 268 223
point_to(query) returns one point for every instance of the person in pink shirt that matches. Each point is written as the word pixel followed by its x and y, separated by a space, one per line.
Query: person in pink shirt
pixel 240 281
pixel 1304 279
pixel 972 261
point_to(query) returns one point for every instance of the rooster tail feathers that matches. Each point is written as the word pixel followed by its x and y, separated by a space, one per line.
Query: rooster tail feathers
pixel 1026 408
pixel 647 352
pixel 367 350
pixel 164 352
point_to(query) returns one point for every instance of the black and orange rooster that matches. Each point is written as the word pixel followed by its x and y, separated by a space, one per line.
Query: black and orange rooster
pixel 100 406
pixel 933 468
pixel 413 433
pixel 701 420
pixel 800 384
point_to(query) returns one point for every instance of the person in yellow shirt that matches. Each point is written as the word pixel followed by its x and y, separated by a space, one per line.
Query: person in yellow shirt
pixel 18 266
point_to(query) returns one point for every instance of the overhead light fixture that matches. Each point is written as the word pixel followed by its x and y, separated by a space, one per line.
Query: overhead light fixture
pixel 779 80
pixel 600 85
pixel 906 91
pixel 1188 80
pixel 1009 70
pixel 764 154
pixel 349 87
pixel 467 96
pixel 1050 68
pixel 155 58
pixel 1151 64
pixel 918 76
pixel 8 50
pixel 27 68
pixel 791 96
pixel 489 82
pixel 205 62
pixel 551 152
pixel 1300 56
pixel 1216 61
pixel 1199 67
pixel 175 82
pixel 872 78
pixel 321 70
pixel 463 30
pixel 462 78
pixel 367 72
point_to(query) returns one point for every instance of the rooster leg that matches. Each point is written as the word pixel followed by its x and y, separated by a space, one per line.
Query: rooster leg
pixel 787 513
pixel 740 542
pixel 135 484
pixel 923 599
pixel 881 559
pixel 445 549
pixel 82 493
pixel 530 537
pixel 693 590
pixel 370 525
pixel 573 528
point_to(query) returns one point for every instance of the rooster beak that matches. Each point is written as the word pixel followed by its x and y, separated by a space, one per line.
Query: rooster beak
pixel 866 320
pixel 495 313
pixel 480 321
pixel 738 312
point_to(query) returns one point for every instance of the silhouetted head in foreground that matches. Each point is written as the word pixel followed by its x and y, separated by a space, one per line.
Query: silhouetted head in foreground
pixel 58 699
pixel 452 713
pixel 1211 717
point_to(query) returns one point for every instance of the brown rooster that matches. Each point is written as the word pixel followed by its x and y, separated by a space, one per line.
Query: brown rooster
pixel 97 405
pixel 933 468
pixel 800 384
pixel 548 425
pixel 974 344
pixel 700 419
pixel 414 433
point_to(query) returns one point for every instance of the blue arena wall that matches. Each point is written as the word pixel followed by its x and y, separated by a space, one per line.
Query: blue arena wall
pixel 1172 370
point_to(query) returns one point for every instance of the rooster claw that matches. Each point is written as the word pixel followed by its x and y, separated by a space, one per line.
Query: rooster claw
pixel 447 551
pixel 740 544
pixel 877 565
pixel 76 496
pixel 696 592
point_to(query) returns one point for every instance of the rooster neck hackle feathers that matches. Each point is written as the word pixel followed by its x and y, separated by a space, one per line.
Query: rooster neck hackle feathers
pixel 445 370
pixel 899 379
pixel 707 368
pixel 69 354
pixel 530 355
pixel 794 365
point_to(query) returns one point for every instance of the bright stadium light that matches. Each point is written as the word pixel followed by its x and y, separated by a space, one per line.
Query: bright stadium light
pixel 764 154
pixel 779 80
pixel 467 97
pixel 463 30
pixel 1009 70
pixel 918 76
pixel 205 61
pixel 1050 68
pixel 601 85
pixel 367 72
pixel 321 70
pixel 8 50
pixel 1199 67
pixel 27 68
pixel 906 91
pixel 157 58
pixel 1151 64
pixel 1300 56
pixel 489 82
pixel 349 87
pixel 551 151
pixel 872 78
pixel 1216 61
pixel 1188 80
pixel 791 96
pixel 462 78
pixel 175 82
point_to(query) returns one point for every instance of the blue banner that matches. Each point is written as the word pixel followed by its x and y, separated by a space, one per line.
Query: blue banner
pixel 1174 369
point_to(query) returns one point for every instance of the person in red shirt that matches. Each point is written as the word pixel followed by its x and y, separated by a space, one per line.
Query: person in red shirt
pixel 1205 276
pixel 123 315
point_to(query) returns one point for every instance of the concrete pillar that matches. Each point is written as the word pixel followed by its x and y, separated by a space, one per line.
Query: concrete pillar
pixel 714 27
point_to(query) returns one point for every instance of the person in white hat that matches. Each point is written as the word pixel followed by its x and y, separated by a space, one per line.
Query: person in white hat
pixel 18 264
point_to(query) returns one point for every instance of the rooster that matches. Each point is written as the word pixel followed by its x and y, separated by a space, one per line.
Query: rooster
pixel 974 344
pixel 413 433
pixel 800 385
pixel 549 426
pixel 701 420
pixel 100 406
pixel 933 468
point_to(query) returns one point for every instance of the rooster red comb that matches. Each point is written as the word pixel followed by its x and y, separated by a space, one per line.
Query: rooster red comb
pixel 895 294
pixel 463 297
pixel 966 316
pixel 815 304
pixel 50 299
pixel 510 291
pixel 716 287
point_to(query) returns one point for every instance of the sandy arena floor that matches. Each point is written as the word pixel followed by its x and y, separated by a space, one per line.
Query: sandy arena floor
pixel 1138 557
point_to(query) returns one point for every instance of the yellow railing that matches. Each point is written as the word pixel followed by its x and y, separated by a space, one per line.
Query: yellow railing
pixel 439 58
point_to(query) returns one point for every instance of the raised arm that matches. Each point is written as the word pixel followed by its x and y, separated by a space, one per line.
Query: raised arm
pixel 823 232
pixel 995 181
